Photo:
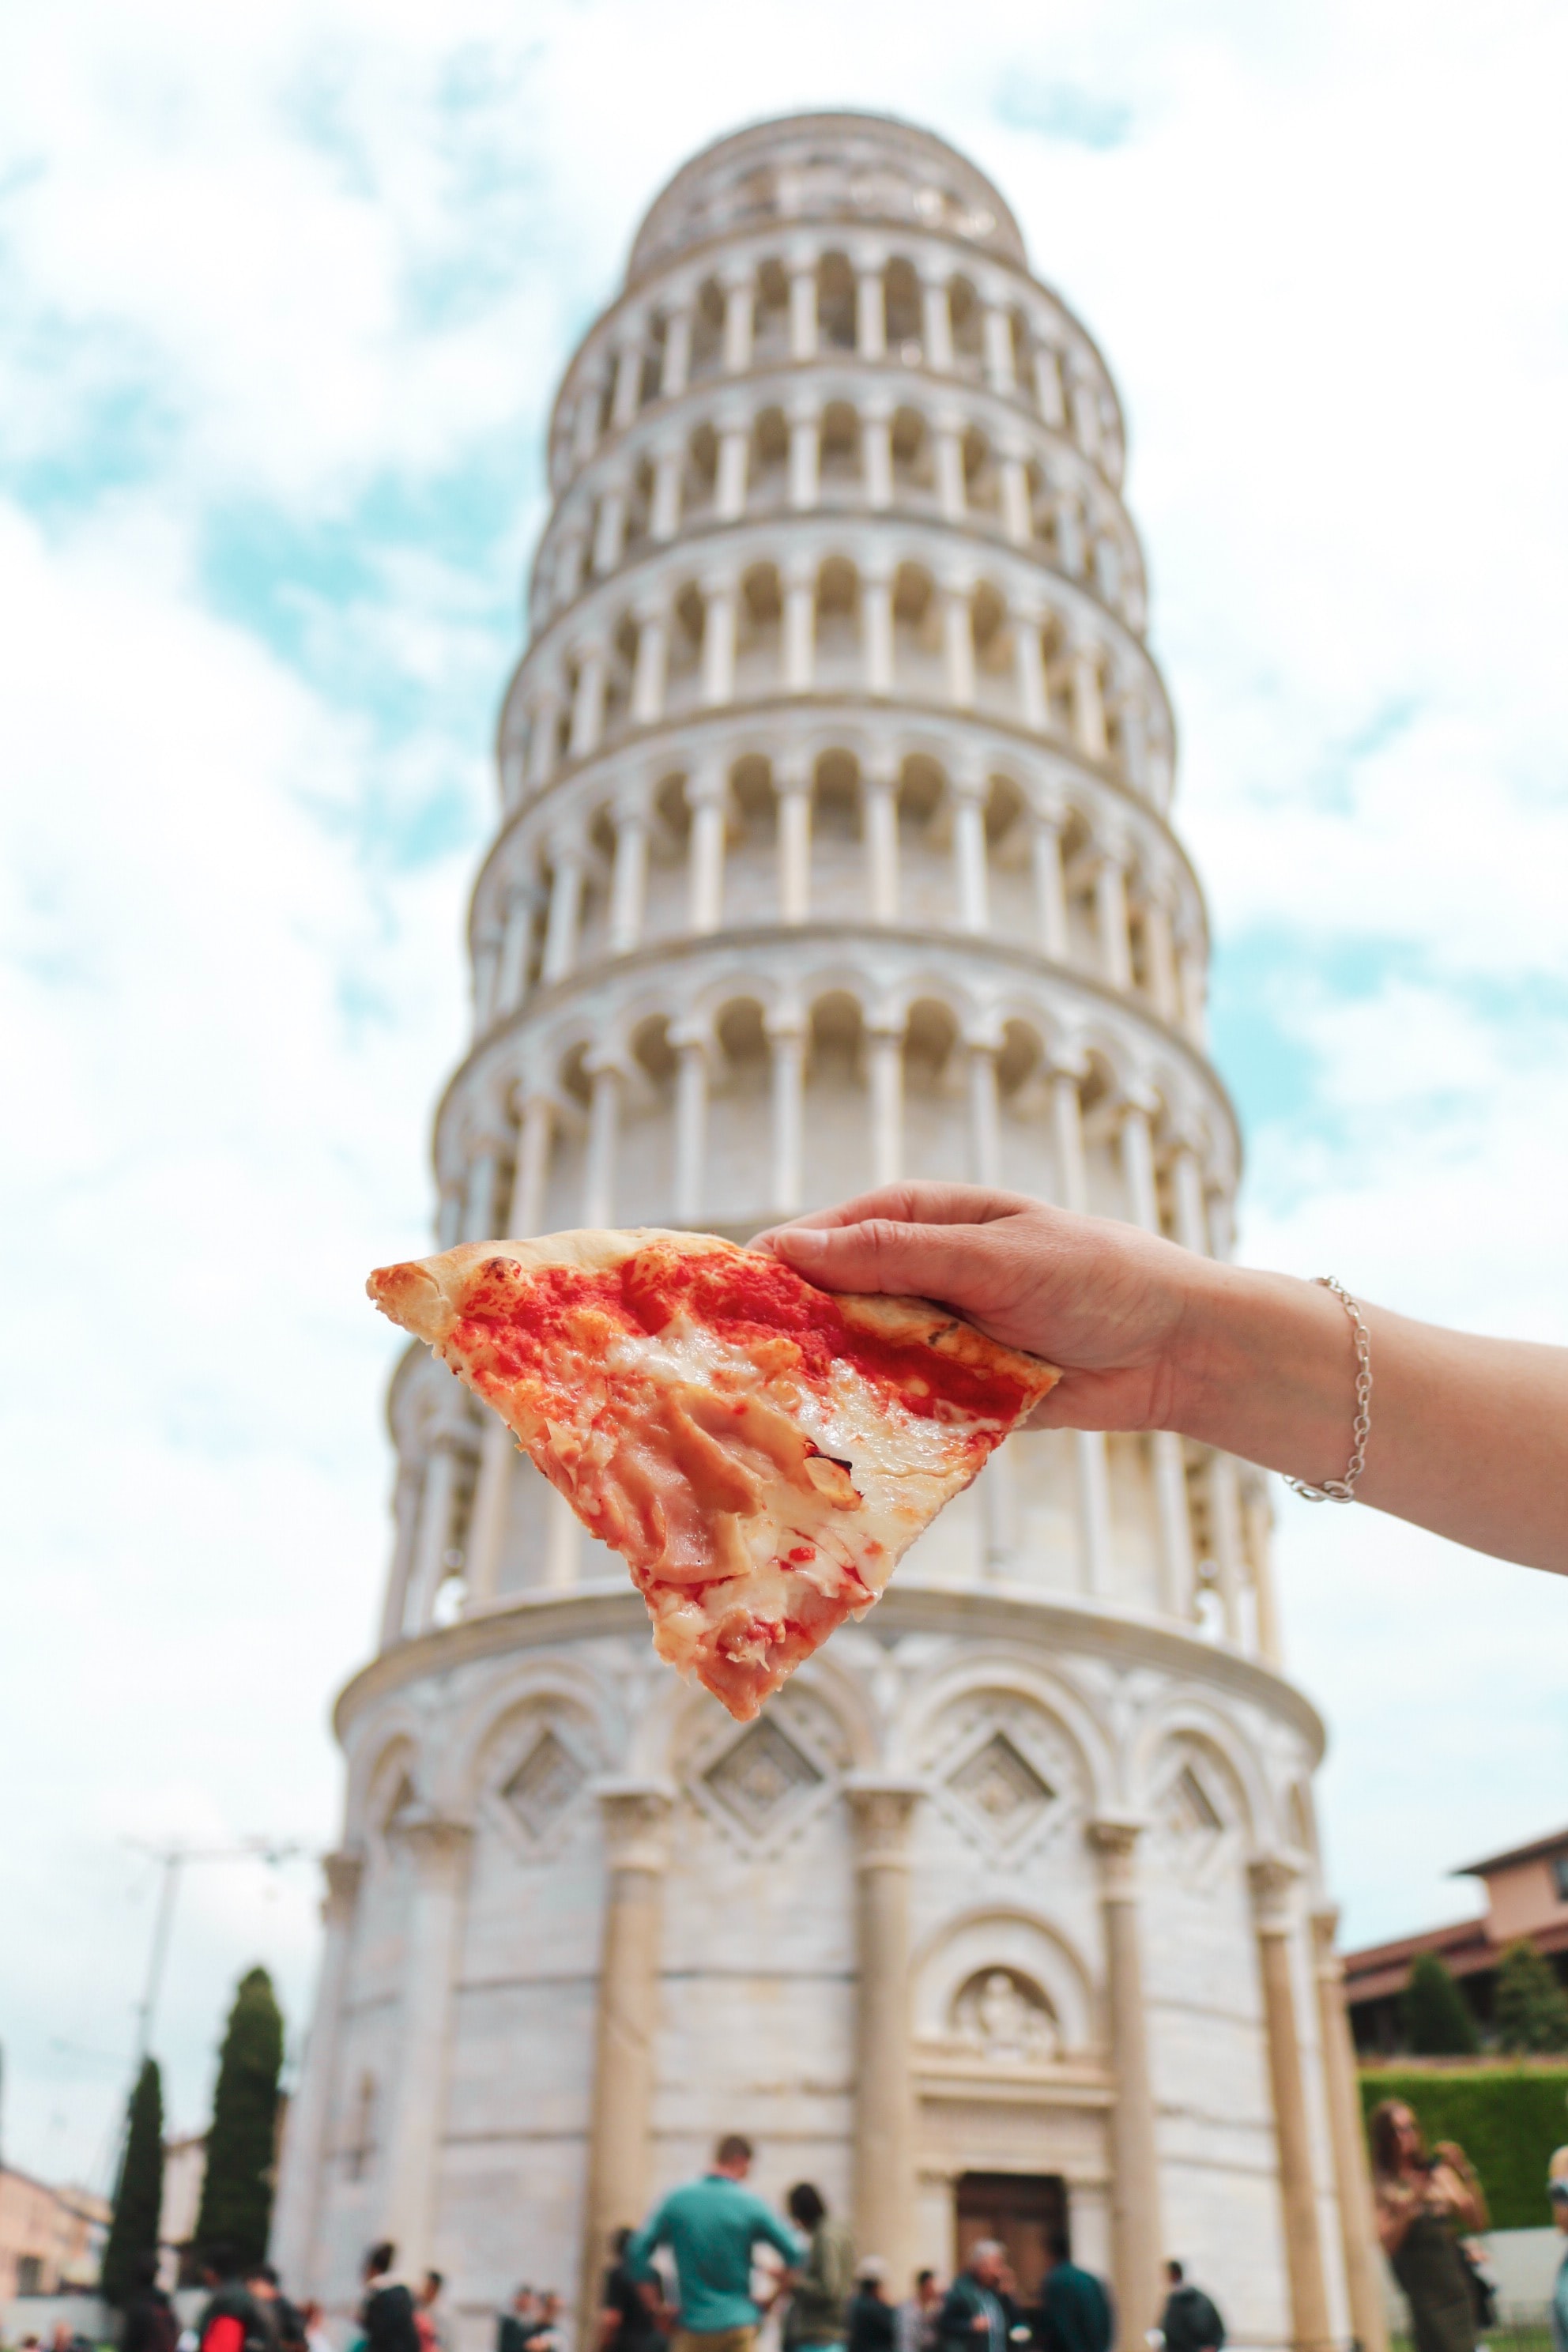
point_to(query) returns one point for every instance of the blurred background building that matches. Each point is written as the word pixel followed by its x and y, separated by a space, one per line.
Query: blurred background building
pixel 835 844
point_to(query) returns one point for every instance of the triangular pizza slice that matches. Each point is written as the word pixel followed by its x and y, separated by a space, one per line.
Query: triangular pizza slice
pixel 761 1452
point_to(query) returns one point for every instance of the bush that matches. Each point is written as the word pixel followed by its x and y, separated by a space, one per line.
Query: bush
pixel 1508 2120
pixel 1434 2014
pixel 1529 2005
pixel 237 2193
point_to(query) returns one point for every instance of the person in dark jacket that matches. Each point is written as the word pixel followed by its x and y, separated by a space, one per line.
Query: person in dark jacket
pixel 1189 2322
pixel 870 2321
pixel 818 2313
pixel 386 2315
pixel 150 2324
pixel 1075 2310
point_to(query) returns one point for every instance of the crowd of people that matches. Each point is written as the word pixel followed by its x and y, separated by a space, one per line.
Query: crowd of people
pixel 687 2281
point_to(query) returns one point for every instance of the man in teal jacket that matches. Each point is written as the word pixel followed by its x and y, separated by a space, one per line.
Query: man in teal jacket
pixel 712 2228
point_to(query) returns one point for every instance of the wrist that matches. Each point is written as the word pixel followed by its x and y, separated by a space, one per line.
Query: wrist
pixel 1267 1370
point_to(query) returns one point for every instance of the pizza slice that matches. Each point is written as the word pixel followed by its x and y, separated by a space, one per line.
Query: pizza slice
pixel 761 1452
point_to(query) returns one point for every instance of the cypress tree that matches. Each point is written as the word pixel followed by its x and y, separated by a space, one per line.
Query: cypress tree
pixel 1529 2005
pixel 1434 2014
pixel 139 2198
pixel 236 2192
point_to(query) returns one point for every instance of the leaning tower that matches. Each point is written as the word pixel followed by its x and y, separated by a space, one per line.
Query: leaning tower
pixel 834 846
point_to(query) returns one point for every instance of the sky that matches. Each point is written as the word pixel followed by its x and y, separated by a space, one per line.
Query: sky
pixel 285 293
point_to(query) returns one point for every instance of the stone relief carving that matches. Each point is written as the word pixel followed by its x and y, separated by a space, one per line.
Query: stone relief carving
pixel 761 1774
pixel 1002 1786
pixel 1003 1771
pixel 1006 2019
pixel 544 1783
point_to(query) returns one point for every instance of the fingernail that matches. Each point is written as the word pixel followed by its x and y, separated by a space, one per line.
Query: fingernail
pixel 803 1237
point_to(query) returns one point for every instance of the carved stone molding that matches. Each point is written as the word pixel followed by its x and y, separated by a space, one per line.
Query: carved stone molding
pixel 1114 1838
pixel 882 1811
pixel 635 1818
pixel 1271 1877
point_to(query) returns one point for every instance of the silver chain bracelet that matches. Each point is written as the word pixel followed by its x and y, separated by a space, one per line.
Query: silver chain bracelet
pixel 1342 1490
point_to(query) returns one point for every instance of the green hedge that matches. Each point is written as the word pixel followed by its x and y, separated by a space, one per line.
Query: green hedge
pixel 1508 2120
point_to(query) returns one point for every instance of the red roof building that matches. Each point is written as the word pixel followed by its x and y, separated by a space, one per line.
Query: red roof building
pixel 1526 1896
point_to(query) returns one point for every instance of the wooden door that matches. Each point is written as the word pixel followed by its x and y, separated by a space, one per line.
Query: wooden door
pixel 1018 2209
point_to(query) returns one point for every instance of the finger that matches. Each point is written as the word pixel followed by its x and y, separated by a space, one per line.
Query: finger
pixel 912 1203
pixel 883 1254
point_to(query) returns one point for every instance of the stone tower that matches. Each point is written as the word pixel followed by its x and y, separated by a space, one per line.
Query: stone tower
pixel 835 844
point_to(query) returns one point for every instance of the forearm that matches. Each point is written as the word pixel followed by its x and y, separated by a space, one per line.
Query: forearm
pixel 1469 1435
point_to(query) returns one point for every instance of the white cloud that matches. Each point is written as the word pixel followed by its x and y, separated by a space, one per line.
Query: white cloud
pixel 277 262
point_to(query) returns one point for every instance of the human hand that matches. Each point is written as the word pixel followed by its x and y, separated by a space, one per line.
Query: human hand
pixel 1109 1303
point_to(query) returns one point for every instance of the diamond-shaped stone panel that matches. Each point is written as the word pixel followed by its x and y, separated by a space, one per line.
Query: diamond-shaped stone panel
pixel 543 1784
pixel 756 1777
pixel 1190 1811
pixel 1000 1785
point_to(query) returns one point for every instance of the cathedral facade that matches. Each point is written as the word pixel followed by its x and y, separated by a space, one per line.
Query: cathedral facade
pixel 835 844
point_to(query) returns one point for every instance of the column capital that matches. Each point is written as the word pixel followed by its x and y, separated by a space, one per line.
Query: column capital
pixel 1114 1837
pixel 722 580
pixel 634 1818
pixel 868 253
pixel 1271 1877
pixel 633 803
pixel 795 766
pixel 934 269
pixel 343 1872
pixel 882 1808
pixel 692 1037
pixel 707 784
pixel 801 570
pixel 1325 1924
pixel 436 1840
pixel 805 407
pixel 736 273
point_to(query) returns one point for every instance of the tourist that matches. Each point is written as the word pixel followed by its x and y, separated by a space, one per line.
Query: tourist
pixel 1557 2196
pixel 544 2335
pixel 232 2320
pixel 871 2319
pixel 386 2315
pixel 518 2327
pixel 287 2329
pixel 1075 2309
pixel 819 2298
pixel 920 2315
pixel 972 2320
pixel 628 2320
pixel 1189 2323
pixel 312 2320
pixel 150 2324
pixel 1468 1436
pixel 425 2304
pixel 713 2228
pixel 1424 2203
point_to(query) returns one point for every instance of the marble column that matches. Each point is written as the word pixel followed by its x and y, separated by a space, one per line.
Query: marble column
pixel 543 728
pixel 958 641
pixel 880 789
pixel 1048 384
pixel 936 321
pixel 870 307
pixel 882 1811
pixel 1191 988
pixel 706 792
pixel 739 318
pixel 1159 955
pixel 652 664
pixel 876 629
pixel 1000 370
pixel 629 875
pixel 1029 669
pixel 786 1036
pixel 984 1113
pixel 1187 1199
pixel 1093 1474
pixel 884 1056
pixel 306 2151
pixel 690 1122
pixel 669 471
pixel 804 454
pixel 478 1192
pixel 635 1816
pixel 1224 1526
pixel 610 528
pixel 876 453
pixel 1167 1454
pixel 1272 1878
pixel 433 1540
pixel 588 701
pixel 795 837
pixel 568 862
pixel 1050 886
pixel 950 495
pixel 735 462
pixel 799 624
pixel 1135 2225
pixel 677 364
pixel 512 980
pixel 1352 2173
pixel 411 2177
pixel 1111 916
pixel 802 306
pixel 604 1137
pixel 627 397
pixel 487 964
pixel 524 1215
pixel 969 851
pixel 1017 521
pixel 718 639
pixel 1257 1518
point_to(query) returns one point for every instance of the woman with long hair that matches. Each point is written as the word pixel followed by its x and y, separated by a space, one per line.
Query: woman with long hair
pixel 817 2317
pixel 1426 2203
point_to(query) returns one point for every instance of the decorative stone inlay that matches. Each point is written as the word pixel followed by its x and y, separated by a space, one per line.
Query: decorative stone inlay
pixel 545 1784
pixel 1000 1785
pixel 1006 2018
pixel 1190 1811
pixel 760 1774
